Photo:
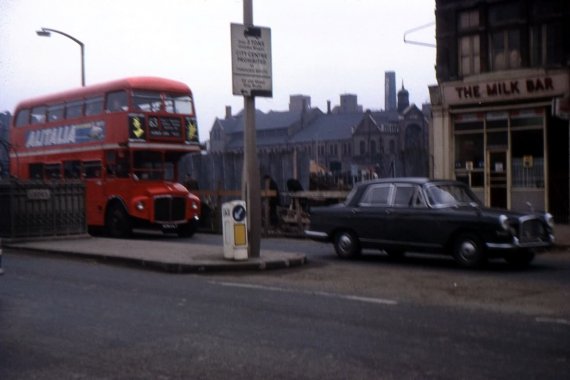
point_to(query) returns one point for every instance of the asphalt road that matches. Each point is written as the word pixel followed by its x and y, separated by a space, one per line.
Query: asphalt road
pixel 374 318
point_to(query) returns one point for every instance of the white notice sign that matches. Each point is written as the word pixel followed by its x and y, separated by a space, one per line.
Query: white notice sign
pixel 251 61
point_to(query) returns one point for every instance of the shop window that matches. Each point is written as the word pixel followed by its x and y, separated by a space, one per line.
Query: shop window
pixel 527 122
pixel 528 158
pixel 469 126
pixel 498 139
pixel 469 151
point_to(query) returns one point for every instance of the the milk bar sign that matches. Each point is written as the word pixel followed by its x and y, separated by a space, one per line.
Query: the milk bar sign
pixel 251 61
pixel 506 89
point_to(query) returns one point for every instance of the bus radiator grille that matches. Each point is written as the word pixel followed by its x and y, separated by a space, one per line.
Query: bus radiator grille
pixel 169 209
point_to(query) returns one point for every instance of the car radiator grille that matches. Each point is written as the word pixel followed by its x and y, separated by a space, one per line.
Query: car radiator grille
pixel 532 230
pixel 169 209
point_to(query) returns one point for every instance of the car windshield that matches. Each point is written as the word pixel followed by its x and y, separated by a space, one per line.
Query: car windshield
pixel 350 195
pixel 449 195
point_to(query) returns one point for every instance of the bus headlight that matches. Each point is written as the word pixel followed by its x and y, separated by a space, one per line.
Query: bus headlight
pixel 140 205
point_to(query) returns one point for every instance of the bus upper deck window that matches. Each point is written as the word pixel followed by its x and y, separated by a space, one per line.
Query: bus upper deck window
pixel 179 104
pixel 74 109
pixel 94 106
pixel 23 117
pixel 55 112
pixel 38 115
pixel 147 101
pixel 116 101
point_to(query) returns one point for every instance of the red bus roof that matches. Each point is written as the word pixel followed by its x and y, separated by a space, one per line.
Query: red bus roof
pixel 139 83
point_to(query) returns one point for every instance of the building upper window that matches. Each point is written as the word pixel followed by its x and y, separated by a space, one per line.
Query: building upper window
pixel 545 42
pixel 505 50
pixel 505 13
pixel 469 55
pixel 362 148
pixel 468 19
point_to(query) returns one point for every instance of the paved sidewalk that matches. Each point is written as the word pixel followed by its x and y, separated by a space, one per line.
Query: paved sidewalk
pixel 181 258
pixel 160 255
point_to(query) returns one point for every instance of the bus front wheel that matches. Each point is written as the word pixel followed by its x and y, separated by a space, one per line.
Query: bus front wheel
pixel 187 229
pixel 117 222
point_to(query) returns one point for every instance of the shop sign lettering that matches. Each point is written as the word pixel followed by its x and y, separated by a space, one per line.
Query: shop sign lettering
pixel 553 85
pixel 505 88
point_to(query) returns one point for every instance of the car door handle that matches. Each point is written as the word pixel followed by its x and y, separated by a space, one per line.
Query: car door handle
pixel 388 212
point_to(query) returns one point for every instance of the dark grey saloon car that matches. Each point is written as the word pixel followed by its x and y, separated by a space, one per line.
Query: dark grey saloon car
pixel 421 215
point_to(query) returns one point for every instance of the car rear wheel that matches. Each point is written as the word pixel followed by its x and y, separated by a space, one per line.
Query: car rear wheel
pixel 468 251
pixel 346 244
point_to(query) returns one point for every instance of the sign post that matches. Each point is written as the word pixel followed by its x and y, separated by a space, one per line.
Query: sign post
pixel 251 76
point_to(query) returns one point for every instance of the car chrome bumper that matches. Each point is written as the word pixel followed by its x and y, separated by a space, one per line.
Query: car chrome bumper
pixel 516 244
pixel 317 235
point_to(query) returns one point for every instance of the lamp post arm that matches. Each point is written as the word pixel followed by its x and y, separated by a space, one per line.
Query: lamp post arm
pixel 81 45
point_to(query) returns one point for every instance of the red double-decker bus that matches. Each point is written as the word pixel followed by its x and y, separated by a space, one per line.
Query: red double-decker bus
pixel 124 139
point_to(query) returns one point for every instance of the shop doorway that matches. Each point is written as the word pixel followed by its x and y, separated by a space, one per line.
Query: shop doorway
pixel 498 178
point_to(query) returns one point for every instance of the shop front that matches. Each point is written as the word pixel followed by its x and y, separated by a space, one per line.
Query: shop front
pixel 507 138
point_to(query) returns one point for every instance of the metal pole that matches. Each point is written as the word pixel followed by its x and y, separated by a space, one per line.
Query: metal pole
pixel 250 181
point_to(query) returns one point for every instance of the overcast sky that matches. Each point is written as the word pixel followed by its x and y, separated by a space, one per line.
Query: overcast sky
pixel 320 48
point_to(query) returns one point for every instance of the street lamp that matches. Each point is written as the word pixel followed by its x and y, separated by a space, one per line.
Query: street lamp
pixel 46 32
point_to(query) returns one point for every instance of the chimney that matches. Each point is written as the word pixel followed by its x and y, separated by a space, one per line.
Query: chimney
pixel 228 112
pixel 328 106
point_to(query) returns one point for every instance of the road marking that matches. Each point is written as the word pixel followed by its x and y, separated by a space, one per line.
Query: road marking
pixel 558 321
pixel 348 297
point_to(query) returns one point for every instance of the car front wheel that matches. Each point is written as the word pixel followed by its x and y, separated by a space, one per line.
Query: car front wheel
pixel 468 251
pixel 346 244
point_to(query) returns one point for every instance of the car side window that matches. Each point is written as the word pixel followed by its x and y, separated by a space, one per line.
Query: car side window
pixel 404 196
pixel 377 195
pixel 419 200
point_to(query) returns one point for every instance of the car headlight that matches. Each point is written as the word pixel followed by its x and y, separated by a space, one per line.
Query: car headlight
pixel 549 219
pixel 504 222
pixel 140 205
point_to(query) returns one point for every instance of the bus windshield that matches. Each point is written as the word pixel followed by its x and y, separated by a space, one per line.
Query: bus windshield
pixel 149 101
